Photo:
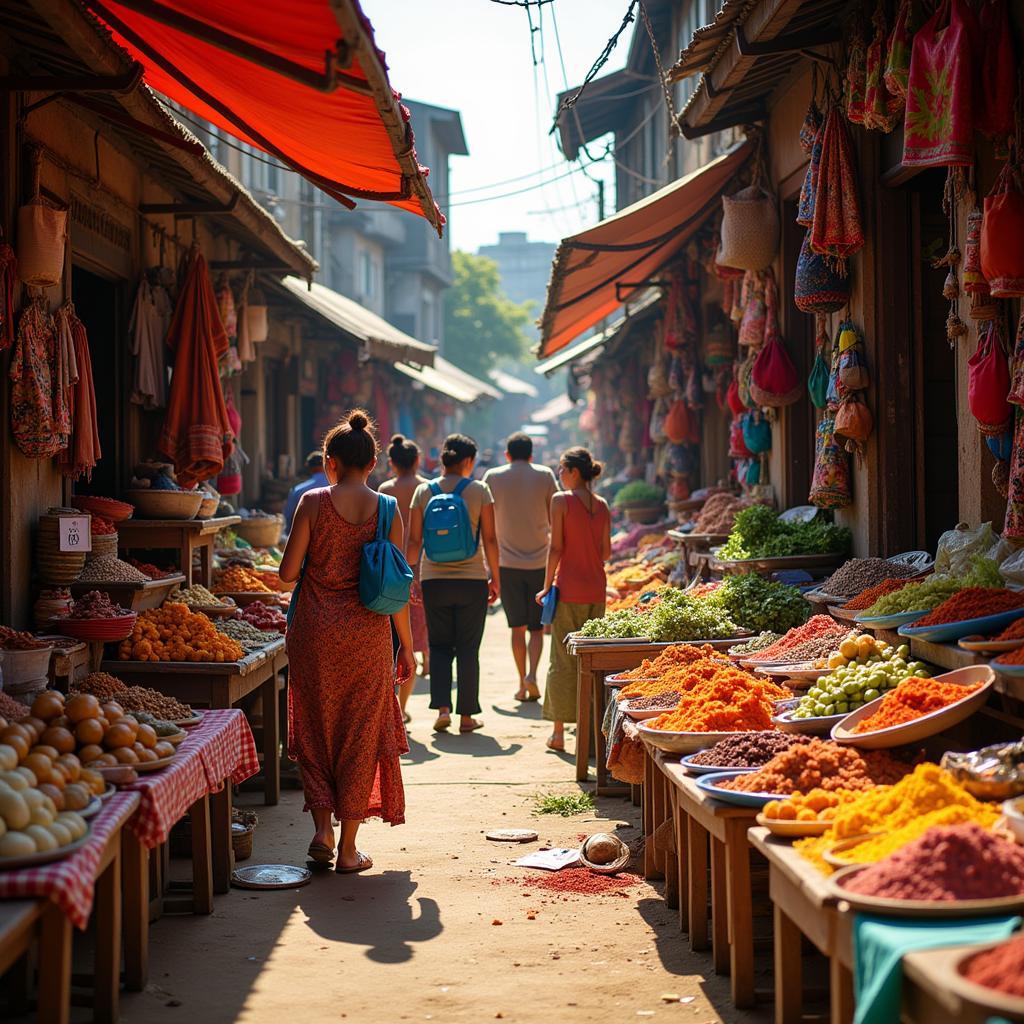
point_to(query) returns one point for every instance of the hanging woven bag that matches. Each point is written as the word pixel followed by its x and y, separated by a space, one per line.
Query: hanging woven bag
pixel 42 238
pixel 750 229
pixel 818 287
pixel 830 485
pixel 743 380
pixel 774 381
pixel 717 347
pixel 1002 228
pixel 988 381
pixel 938 128
pixel 997 75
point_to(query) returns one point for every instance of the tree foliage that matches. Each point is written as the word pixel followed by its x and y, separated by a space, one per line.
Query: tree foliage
pixel 482 326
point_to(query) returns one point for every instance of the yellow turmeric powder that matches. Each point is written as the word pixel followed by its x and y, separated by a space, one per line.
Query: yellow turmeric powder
pixel 927 796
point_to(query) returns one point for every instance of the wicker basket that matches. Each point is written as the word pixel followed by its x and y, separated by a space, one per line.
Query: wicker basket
pixel 256 317
pixel 614 866
pixel 104 545
pixel 750 229
pixel 56 568
pixel 260 532
pixel 241 840
pixel 156 504
pixel 42 235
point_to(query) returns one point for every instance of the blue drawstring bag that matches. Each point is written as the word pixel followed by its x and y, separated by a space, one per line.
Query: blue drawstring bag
pixel 757 433
pixel 548 607
pixel 385 578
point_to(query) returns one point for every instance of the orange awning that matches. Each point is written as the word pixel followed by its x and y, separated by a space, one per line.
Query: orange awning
pixel 628 247
pixel 303 81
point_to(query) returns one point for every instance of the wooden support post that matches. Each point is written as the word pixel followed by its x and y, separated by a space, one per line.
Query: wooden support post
pixel 55 966
pixel 681 862
pixel 107 984
pixel 719 909
pixel 220 839
pixel 788 969
pixel 202 860
pixel 697 883
pixel 840 991
pixel 271 743
pixel 584 689
pixel 741 920
pixel 135 883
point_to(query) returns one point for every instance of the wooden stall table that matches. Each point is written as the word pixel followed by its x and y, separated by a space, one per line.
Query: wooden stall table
pixel 803 905
pixel 52 899
pixel 696 550
pixel 213 684
pixel 186 536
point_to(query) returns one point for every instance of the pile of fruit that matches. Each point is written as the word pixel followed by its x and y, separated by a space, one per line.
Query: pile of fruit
pixel 862 670
pixel 173 633
pixel 102 735
pixel 106 688
pixel 41 791
pixel 265 616
pixel 238 580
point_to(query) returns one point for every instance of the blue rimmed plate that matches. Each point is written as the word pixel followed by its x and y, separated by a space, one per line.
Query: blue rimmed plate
pixel 711 784
pixel 706 769
pixel 1007 670
pixel 948 631
pixel 888 621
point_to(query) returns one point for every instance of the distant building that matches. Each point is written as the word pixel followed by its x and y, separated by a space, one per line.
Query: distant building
pixel 524 266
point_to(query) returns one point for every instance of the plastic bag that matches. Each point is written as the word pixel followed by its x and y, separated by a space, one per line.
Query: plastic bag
pixel 957 548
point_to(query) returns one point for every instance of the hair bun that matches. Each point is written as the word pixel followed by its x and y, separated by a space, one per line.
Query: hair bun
pixel 597 469
pixel 358 420
pixel 397 439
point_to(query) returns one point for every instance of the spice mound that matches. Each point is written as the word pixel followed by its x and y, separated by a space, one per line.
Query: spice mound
pixel 265 616
pixel 721 699
pixel 972 603
pixel 672 657
pixel 105 687
pixel 656 702
pixel 951 862
pixel 866 598
pixel 96 605
pixel 110 569
pixel 1001 967
pixel 752 750
pixel 1015 631
pixel 912 699
pixel 816 627
pixel 18 640
pixel 820 764
pixel 173 633
pixel 898 814
pixel 756 643
pixel 856 574
pixel 197 596
pixel 248 636
pixel 237 580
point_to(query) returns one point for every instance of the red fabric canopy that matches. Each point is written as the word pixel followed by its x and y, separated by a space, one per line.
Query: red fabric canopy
pixel 628 247
pixel 250 69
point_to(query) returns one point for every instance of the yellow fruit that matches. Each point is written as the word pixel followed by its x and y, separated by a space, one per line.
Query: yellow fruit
pixel 55 796
pixel 60 832
pixel 13 808
pixel 8 757
pixel 17 844
pixel 15 780
pixel 40 765
pixel 42 837
pixel 75 822
pixel 76 797
pixel 836 660
pixel 848 648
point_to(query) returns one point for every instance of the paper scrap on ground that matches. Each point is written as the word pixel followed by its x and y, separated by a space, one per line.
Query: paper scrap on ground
pixel 550 860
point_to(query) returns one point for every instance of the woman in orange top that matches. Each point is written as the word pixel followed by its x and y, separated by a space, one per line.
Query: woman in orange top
pixel 581 542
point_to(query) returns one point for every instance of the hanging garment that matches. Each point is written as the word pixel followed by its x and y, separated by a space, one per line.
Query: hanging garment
pixel 830 486
pixel 83 450
pixel 1002 226
pixel 33 381
pixel 882 109
pixel 997 74
pixel 837 231
pixel 151 316
pixel 939 122
pixel 196 433
pixel 65 375
pixel 8 283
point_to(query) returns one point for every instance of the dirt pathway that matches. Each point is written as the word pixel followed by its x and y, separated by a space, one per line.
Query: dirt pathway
pixel 417 938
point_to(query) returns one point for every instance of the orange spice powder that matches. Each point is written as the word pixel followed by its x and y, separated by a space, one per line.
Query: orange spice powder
pixel 913 698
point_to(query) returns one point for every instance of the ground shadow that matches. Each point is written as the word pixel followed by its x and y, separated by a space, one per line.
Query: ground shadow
pixel 528 709
pixel 562 755
pixel 473 744
pixel 375 910
pixel 419 753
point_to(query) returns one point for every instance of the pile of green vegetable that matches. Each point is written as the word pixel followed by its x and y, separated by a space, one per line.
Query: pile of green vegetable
pixel 759 533
pixel 677 616
pixel 759 604
pixel 637 492
pixel 756 643
pixel 930 593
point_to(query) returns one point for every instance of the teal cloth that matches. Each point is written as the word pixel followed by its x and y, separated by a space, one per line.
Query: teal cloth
pixel 997 1020
pixel 880 943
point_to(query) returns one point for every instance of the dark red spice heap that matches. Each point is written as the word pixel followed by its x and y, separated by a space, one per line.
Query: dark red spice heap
pixel 948 862
pixel 1001 967
pixel 972 603
pixel 666 700
pixel 581 881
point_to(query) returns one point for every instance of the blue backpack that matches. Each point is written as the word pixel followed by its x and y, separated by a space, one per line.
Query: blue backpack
pixel 447 532
pixel 384 575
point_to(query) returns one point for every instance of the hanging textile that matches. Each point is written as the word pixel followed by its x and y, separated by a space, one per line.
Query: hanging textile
pixel 805 206
pixel 881 108
pixel 8 283
pixel 65 375
pixel 229 482
pixel 897 64
pixel 151 316
pixel 196 433
pixel 939 124
pixel 1002 225
pixel 33 377
pixel 830 485
pixel 83 450
pixel 856 82
pixel 837 231
pixel 997 77
pixel 1014 525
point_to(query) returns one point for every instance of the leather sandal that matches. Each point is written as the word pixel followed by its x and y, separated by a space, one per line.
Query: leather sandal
pixel 363 863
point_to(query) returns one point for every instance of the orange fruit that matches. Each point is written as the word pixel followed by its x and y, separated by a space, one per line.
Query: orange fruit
pixel 37 725
pixel 71 765
pixel 82 705
pixel 45 748
pixel 89 730
pixel 60 775
pixel 76 796
pixel 106 761
pixel 63 721
pixel 147 756
pixel 147 736
pixel 58 738
pixel 17 741
pixel 94 780
pixel 53 793
pixel 17 729
pixel 90 753
pixel 112 710
pixel 49 704
pixel 119 735
pixel 163 749
pixel 40 766
pixel 125 755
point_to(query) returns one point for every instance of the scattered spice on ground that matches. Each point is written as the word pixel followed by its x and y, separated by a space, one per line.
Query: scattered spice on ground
pixel 911 699
pixel 1001 967
pixel 856 574
pixel 751 750
pixel 670 658
pixel 820 764
pixel 952 862
pixel 581 881
pixel 815 627
pixel 972 603
pixel 866 598
pixel 721 698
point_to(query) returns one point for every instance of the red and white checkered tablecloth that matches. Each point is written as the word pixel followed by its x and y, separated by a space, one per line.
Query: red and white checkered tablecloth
pixel 71 882
pixel 221 747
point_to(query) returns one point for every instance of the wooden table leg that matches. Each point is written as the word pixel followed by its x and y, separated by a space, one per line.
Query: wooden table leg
pixel 719 910
pixel 107 986
pixel 697 883
pixel 584 689
pixel 596 721
pixel 788 969
pixel 840 992
pixel 681 864
pixel 54 967
pixel 220 838
pixel 647 813
pixel 135 910
pixel 657 817
pixel 741 918
pixel 271 742
pixel 206 561
pixel 202 860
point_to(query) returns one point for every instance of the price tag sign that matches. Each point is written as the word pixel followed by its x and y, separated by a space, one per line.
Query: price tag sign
pixel 75 534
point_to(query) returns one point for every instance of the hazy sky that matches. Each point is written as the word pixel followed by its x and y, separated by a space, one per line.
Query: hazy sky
pixel 475 56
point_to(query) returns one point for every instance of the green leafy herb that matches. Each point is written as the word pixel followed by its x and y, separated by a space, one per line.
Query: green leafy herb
pixel 564 804
pixel 758 532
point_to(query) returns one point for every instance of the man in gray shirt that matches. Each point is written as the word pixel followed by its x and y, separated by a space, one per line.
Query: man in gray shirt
pixel 522 508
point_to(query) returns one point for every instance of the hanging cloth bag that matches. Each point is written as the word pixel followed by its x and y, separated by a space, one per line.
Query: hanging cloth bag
pixel 817 381
pixel 1002 228
pixel 757 432
pixel 737 445
pixel 819 287
pixel 809 188
pixel 837 231
pixel 897 62
pixel 988 382
pixel 853 370
pixel 830 485
pixel 385 578
pixel 881 108
pixel 997 75
pixel 774 381
pixel 856 83
pixel 732 398
pixel 1016 395
pixel 751 332
pixel 938 128
pixel 853 424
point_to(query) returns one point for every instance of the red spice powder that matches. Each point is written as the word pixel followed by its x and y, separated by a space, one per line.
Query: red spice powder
pixel 866 598
pixel 1013 632
pixel 816 626
pixel 972 603
pixel 1001 967
pixel 581 881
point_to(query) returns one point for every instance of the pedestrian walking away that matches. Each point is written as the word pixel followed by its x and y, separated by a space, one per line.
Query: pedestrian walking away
pixel 581 543
pixel 404 460
pixel 452 525
pixel 344 724
pixel 317 478
pixel 522 512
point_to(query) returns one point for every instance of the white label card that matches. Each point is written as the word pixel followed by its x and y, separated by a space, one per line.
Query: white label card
pixel 75 534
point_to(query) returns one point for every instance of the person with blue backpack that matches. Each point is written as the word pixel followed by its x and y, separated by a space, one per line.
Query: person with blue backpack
pixel 345 726
pixel 452 526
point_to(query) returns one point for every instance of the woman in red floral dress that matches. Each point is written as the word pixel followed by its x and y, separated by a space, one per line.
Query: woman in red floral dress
pixel 344 724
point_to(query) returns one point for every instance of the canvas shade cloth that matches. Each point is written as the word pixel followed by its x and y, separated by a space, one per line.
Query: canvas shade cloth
pixel 630 246
pixel 225 60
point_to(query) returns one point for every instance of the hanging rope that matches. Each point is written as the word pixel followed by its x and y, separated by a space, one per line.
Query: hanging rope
pixel 673 122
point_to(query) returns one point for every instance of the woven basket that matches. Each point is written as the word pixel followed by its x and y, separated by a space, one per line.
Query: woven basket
pixel 260 532
pixel 750 229
pixel 256 318
pixel 155 504
pixel 42 234
pixel 104 545
pixel 241 840
pixel 56 568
